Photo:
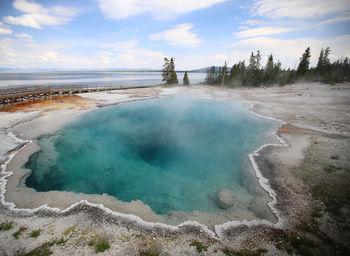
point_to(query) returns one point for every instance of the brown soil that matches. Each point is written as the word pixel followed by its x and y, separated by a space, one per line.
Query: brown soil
pixel 56 102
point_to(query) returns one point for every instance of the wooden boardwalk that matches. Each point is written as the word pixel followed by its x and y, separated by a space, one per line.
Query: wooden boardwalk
pixel 25 94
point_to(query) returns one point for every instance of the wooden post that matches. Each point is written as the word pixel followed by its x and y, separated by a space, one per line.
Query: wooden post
pixel 17 94
pixel 50 92
pixel 37 91
pixel 7 97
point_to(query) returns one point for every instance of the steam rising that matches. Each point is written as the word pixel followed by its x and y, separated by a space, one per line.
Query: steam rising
pixel 173 153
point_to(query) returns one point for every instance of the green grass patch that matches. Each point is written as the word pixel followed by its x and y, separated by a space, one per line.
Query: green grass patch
pixel 35 233
pixel 317 213
pixel 148 254
pixel 100 246
pixel 39 251
pixel 61 241
pixel 306 227
pixel 18 232
pixel 332 168
pixel 44 249
pixel 333 196
pixel 199 246
pixel 283 245
pixel 257 252
pixel 294 244
pixel 6 226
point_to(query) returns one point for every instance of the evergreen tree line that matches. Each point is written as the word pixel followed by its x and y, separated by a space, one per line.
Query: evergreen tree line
pixel 254 74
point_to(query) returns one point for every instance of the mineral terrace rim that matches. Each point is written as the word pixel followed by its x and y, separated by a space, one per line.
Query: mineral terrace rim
pixel 218 229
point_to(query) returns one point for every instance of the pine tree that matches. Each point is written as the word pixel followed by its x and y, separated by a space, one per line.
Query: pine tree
pixel 326 60
pixel 254 73
pixel 173 75
pixel 269 70
pixel 166 71
pixel 258 59
pixel 320 62
pixel 223 74
pixel 252 63
pixel 238 74
pixel 209 78
pixel 169 75
pixel 213 76
pixel 323 64
pixel 304 63
pixel 276 72
pixel 186 80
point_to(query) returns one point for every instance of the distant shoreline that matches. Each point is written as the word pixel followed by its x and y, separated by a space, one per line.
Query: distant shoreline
pixel 90 78
pixel 96 71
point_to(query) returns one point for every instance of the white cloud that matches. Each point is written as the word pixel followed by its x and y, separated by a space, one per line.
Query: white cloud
pixel 63 11
pixel 139 58
pixel 29 7
pixel 21 54
pixel 197 61
pixel 24 54
pixel 280 16
pixel 263 31
pixel 254 22
pixel 121 45
pixel 159 9
pixel 299 9
pixel 178 35
pixel 342 18
pixel 7 53
pixel 4 31
pixel 37 16
pixel 36 20
pixel 23 36
pixel 128 54
pixel 289 51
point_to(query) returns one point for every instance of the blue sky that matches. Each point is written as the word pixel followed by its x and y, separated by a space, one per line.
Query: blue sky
pixel 105 34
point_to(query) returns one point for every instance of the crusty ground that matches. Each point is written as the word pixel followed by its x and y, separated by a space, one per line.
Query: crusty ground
pixel 310 176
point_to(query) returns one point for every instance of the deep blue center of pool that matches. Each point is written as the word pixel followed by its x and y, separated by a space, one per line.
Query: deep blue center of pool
pixel 173 153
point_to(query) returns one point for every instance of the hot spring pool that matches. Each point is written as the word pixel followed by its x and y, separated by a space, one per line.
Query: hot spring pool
pixel 173 153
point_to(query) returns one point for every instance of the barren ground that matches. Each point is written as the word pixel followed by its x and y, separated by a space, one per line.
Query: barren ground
pixel 311 177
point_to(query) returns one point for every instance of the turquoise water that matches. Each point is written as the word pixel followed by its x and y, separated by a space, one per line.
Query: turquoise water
pixel 173 153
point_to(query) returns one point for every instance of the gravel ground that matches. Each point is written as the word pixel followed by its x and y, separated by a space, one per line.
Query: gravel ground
pixel 310 178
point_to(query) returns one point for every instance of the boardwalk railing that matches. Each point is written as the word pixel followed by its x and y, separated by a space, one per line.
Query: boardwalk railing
pixel 24 94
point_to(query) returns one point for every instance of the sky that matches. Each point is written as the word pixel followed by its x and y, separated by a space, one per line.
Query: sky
pixel 137 34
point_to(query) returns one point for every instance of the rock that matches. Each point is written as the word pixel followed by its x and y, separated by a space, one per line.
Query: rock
pixel 261 210
pixel 225 198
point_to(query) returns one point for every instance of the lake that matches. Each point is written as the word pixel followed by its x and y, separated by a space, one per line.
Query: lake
pixel 90 78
